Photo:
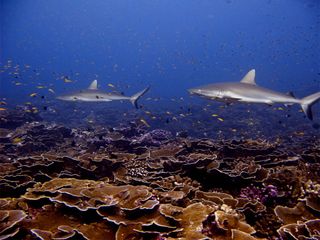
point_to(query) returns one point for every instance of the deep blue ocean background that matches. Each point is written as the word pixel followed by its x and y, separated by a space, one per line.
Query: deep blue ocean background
pixel 170 45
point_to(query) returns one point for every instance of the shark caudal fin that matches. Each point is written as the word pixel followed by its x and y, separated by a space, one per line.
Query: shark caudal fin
pixel 134 99
pixel 307 102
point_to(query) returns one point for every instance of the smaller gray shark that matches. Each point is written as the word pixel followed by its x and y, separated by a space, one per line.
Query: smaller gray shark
pixel 247 91
pixel 92 94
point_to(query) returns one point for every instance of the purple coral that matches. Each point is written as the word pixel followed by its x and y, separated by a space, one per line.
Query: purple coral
pixel 129 130
pixel 155 137
pixel 211 228
pixel 261 194
pixel 160 134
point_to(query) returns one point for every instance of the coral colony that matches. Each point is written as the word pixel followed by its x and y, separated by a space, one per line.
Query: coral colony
pixel 130 182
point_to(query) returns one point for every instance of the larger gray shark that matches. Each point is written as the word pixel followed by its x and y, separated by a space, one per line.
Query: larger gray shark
pixel 92 94
pixel 248 91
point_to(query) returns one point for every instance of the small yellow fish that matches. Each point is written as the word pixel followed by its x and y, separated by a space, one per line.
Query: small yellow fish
pixel 3 103
pixel 66 80
pixel 220 119
pixel 299 133
pixel 167 112
pixel 28 103
pixel 214 115
pixel 147 112
pixel 17 140
pixel 34 110
pixel 28 111
pixel 280 108
pixel 111 85
pixel 33 94
pixel 3 109
pixel 40 87
pixel 144 122
pixel 18 83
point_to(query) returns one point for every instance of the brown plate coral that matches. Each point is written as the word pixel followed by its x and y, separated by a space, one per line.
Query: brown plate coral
pixel 132 183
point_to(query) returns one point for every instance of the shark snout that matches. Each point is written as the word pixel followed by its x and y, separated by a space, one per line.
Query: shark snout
pixel 194 91
pixel 61 97
pixel 65 98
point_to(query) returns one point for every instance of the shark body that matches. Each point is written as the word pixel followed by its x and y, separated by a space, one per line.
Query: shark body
pixel 249 92
pixel 92 94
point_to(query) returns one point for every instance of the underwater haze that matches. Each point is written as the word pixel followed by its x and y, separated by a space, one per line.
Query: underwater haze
pixel 169 45
pixel 106 134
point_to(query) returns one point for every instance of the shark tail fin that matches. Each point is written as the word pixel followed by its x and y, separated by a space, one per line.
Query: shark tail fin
pixel 134 99
pixel 307 102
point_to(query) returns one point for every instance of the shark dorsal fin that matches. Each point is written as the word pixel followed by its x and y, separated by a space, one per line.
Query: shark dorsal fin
pixel 249 77
pixel 93 85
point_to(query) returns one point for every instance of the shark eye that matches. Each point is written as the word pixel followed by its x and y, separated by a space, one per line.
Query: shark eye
pixel 75 98
pixel 97 97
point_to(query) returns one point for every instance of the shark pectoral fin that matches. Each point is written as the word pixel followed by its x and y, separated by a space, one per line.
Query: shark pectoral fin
pixel 288 104
pixel 93 85
pixel 269 103
pixel 232 99
pixel 249 78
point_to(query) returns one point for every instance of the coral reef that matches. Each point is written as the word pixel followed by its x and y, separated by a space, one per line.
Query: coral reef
pixel 132 183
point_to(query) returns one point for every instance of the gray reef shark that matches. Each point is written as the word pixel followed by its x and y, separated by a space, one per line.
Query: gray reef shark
pixel 92 94
pixel 247 91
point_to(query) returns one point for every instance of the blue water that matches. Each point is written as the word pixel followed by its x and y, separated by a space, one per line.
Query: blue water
pixel 170 45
